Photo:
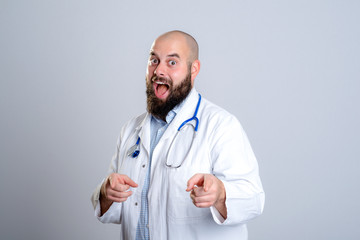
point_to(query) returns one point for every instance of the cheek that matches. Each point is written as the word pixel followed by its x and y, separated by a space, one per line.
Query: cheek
pixel 178 77
pixel 149 72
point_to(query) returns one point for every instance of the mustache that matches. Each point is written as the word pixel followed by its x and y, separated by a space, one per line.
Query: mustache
pixel 161 79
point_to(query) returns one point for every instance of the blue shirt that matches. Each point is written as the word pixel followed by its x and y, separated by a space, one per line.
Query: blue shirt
pixel 157 129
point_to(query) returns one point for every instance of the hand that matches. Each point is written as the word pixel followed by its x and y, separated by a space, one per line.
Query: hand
pixel 115 189
pixel 206 191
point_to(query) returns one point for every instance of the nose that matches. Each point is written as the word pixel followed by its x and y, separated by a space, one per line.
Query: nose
pixel 160 70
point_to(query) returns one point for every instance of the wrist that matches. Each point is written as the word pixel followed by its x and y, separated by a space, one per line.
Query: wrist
pixel 220 203
pixel 103 194
pixel 105 203
pixel 222 195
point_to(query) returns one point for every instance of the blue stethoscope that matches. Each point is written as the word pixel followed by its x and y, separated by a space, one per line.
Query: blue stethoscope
pixel 134 151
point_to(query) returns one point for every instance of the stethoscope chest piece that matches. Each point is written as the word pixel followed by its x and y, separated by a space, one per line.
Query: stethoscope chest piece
pixel 134 151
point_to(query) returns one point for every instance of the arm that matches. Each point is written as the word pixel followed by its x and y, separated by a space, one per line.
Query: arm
pixel 234 163
pixel 237 193
pixel 108 196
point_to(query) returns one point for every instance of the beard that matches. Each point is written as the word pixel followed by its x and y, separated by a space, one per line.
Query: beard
pixel 160 108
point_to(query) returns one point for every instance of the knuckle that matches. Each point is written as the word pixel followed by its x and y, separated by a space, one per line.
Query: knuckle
pixel 112 176
pixel 200 205
pixel 124 195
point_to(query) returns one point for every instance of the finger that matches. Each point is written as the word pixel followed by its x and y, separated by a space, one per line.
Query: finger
pixel 123 179
pixel 116 194
pixel 197 179
pixel 202 202
pixel 118 199
pixel 203 205
pixel 192 195
pixel 205 199
pixel 115 180
pixel 111 180
pixel 208 182
pixel 121 188
pixel 199 191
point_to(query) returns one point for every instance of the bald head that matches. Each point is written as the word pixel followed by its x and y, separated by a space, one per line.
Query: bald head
pixel 192 45
pixel 174 56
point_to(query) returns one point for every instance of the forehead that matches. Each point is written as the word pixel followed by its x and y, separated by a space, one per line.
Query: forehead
pixel 169 46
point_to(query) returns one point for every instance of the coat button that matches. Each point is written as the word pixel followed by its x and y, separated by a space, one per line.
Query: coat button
pixel 136 204
pixel 143 165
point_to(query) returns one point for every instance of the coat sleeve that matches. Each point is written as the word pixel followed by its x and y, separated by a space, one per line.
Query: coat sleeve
pixel 234 163
pixel 113 214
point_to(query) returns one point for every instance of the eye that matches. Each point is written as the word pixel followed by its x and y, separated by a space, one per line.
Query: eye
pixel 172 62
pixel 154 61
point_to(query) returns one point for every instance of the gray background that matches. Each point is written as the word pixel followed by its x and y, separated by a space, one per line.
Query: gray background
pixel 72 72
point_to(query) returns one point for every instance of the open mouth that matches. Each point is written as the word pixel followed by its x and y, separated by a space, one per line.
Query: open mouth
pixel 161 89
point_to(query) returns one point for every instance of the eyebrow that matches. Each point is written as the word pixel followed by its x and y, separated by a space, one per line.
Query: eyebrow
pixel 152 53
pixel 174 55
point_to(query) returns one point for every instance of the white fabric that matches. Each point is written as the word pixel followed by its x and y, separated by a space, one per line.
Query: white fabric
pixel 221 148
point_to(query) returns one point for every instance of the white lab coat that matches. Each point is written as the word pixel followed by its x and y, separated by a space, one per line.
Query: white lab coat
pixel 220 148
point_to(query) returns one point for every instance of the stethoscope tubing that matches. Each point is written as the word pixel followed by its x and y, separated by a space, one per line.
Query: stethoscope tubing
pixel 136 152
pixel 194 117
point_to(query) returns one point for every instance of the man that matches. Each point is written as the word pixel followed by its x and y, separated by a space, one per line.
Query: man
pixel 184 169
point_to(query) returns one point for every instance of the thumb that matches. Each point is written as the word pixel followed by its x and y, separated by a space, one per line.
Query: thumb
pixel 208 181
pixel 197 179
pixel 111 181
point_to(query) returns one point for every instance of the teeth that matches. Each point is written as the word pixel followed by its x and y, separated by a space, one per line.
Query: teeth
pixel 160 82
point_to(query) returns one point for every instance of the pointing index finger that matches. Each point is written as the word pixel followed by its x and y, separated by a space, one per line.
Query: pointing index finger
pixel 197 179
pixel 126 180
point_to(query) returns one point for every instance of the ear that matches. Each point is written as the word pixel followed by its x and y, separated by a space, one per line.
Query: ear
pixel 195 68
